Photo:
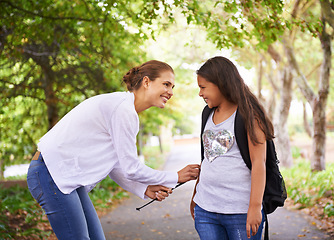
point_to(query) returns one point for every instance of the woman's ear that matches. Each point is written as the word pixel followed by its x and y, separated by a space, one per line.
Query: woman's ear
pixel 146 82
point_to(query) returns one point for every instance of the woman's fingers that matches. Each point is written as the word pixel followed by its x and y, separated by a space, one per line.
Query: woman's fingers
pixel 188 173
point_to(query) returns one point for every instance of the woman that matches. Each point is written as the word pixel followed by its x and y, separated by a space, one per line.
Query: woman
pixel 227 199
pixel 96 139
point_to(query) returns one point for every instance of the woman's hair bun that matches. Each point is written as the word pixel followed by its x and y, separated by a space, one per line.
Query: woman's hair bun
pixel 129 78
pixel 152 69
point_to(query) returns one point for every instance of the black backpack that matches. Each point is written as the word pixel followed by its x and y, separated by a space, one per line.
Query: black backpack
pixel 275 191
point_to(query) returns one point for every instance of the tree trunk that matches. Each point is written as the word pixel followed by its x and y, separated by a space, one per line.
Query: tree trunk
pixel 50 97
pixel 160 144
pixel 140 140
pixel 307 126
pixel 43 60
pixel 282 135
pixel 319 107
pixel 283 140
pixel 271 103
pixel 317 102
pixel 259 80
pixel 319 138
pixel 2 168
pixel 271 106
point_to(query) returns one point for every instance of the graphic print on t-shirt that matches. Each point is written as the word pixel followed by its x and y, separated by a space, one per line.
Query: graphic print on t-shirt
pixel 217 144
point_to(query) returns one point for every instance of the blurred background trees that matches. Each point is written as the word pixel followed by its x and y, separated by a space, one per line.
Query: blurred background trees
pixel 56 53
pixel 282 33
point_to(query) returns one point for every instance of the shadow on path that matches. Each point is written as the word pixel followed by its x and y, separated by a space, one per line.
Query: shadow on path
pixel 171 219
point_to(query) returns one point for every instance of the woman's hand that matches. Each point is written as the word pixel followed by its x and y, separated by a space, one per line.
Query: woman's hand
pixel 254 219
pixel 157 192
pixel 188 173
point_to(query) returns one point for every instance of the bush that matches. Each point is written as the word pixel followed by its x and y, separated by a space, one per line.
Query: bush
pixel 105 192
pixel 307 188
pixel 154 158
pixel 20 215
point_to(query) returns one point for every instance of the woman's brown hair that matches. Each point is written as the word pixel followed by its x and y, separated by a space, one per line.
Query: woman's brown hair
pixel 152 69
pixel 224 74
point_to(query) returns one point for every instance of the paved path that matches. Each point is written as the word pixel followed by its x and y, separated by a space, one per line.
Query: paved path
pixel 171 220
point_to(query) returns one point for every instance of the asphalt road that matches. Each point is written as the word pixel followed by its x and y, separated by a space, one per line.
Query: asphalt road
pixel 171 219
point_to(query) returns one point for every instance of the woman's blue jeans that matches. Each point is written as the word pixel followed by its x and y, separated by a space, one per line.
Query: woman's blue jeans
pixel 216 226
pixel 72 216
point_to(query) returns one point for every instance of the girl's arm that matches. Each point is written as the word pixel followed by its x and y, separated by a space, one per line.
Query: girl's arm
pixel 258 177
pixel 192 203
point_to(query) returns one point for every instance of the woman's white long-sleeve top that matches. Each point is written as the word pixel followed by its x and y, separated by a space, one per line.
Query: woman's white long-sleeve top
pixel 96 139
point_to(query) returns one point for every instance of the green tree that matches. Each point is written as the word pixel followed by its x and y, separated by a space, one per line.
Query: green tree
pixel 263 23
pixel 56 53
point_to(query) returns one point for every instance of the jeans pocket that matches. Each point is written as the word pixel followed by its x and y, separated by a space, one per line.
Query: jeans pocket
pixel 34 185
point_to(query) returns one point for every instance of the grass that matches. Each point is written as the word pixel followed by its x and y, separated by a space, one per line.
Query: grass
pixel 306 187
pixel 312 192
pixel 20 215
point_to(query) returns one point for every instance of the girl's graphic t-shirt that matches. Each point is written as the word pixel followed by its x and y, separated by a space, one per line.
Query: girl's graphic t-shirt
pixel 225 180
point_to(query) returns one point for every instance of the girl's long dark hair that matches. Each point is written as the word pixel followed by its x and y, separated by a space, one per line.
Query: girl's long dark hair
pixel 224 74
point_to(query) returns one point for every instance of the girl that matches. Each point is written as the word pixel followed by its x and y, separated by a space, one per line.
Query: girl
pixel 96 139
pixel 227 199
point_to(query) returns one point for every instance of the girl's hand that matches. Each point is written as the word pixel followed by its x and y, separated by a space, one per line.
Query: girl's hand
pixel 157 192
pixel 192 207
pixel 254 219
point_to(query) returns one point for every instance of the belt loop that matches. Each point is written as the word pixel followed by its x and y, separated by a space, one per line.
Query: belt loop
pixel 36 156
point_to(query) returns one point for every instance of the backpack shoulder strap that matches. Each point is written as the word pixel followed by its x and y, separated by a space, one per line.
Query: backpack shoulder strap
pixel 205 115
pixel 242 139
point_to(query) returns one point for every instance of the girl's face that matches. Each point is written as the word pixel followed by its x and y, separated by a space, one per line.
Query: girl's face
pixel 209 92
pixel 161 89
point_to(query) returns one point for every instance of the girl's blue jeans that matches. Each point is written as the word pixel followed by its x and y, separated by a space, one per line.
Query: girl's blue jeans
pixel 72 216
pixel 216 226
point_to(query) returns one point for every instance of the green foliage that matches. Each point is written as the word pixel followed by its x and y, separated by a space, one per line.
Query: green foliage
pixel 234 23
pixel 19 214
pixel 105 192
pixel 18 177
pixel 295 152
pixel 329 210
pixel 18 118
pixel 55 54
pixel 153 157
pixel 306 187
pixel 184 47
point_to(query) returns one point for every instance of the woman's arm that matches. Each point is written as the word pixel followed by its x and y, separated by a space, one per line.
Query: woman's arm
pixel 258 177
pixel 143 191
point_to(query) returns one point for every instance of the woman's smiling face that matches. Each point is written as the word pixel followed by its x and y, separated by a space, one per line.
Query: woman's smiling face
pixel 161 89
